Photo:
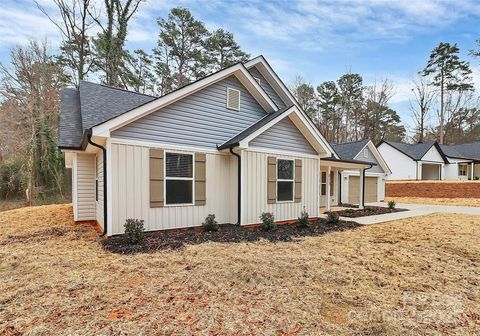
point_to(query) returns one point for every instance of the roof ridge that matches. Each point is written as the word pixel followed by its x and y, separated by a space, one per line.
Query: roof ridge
pixel 119 89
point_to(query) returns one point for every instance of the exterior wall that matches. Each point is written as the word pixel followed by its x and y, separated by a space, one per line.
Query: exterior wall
pixel 433 155
pixel 129 171
pixel 435 189
pixel 284 135
pixel 267 88
pixel 99 176
pixel 254 192
pixel 451 170
pixel 402 166
pixel 370 158
pixel 199 120
pixel 84 187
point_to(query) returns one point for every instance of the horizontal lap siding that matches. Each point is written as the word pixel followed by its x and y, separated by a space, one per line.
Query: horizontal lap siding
pixel 99 203
pixel 130 192
pixel 285 136
pixel 200 120
pixel 255 193
pixel 85 187
pixel 370 158
pixel 267 88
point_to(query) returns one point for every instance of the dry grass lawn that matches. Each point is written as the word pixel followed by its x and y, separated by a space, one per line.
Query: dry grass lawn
pixel 471 202
pixel 414 276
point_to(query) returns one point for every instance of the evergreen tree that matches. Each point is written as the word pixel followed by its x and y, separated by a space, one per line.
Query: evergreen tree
pixel 330 114
pixel 222 51
pixel 351 91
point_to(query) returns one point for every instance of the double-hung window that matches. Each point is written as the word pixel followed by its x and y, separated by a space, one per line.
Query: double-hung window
pixel 462 169
pixel 178 178
pixel 285 180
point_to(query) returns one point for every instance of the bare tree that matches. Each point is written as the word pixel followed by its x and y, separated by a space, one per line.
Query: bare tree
pixel 74 24
pixel 423 97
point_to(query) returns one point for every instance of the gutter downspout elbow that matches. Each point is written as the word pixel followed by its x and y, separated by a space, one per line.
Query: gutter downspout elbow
pixel 104 152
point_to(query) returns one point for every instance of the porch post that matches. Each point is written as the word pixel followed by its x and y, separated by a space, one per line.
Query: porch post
pixel 361 202
pixel 327 189
pixel 472 177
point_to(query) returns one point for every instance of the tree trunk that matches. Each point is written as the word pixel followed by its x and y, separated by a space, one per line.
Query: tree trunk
pixel 442 112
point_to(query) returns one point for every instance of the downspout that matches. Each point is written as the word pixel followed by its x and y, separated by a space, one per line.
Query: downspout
pixel 363 189
pixel 239 184
pixel 104 152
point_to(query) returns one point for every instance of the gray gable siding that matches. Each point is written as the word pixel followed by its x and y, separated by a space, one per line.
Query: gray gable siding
pixel 284 135
pixel 267 88
pixel 200 120
pixel 371 158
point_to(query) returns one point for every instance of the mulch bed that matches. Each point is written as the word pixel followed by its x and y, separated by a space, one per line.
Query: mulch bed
pixel 367 211
pixel 175 239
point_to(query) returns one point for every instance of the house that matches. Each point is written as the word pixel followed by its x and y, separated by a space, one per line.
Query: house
pixel 430 160
pixel 234 144
pixel 363 150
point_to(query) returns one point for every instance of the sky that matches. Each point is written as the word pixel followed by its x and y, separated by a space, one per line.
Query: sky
pixel 317 40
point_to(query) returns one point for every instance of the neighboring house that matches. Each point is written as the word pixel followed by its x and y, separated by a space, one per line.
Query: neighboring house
pixel 430 161
pixel 375 176
pixel 234 144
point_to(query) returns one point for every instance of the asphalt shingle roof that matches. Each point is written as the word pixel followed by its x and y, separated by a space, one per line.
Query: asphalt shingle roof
pixel 415 151
pixel 469 150
pixel 349 150
pixel 70 130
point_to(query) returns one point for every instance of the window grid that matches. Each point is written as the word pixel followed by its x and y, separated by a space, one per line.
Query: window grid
pixel 178 178
pixel 290 180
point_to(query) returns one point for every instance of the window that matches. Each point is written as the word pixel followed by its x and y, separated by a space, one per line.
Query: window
pixel 233 99
pixel 365 153
pixel 258 80
pixel 462 169
pixel 178 178
pixel 285 180
pixel 324 183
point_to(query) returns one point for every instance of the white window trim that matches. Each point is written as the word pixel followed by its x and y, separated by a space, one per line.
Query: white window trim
pixel 323 183
pixel 239 98
pixel 285 180
pixel 178 178
pixel 466 169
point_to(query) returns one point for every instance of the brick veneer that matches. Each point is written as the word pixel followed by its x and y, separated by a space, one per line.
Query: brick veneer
pixel 440 189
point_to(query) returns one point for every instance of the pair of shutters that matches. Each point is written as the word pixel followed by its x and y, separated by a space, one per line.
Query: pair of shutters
pixel 157 176
pixel 272 180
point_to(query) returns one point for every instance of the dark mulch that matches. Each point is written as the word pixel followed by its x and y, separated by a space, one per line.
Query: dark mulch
pixel 367 211
pixel 175 239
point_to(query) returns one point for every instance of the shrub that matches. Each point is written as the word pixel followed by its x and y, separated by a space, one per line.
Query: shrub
pixel 134 230
pixel 477 178
pixel 303 219
pixel 210 224
pixel 333 217
pixel 268 221
pixel 391 204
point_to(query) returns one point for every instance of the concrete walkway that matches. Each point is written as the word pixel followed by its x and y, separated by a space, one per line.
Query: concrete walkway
pixel 414 210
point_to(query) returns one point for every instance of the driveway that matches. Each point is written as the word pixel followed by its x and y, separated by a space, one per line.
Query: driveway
pixel 414 210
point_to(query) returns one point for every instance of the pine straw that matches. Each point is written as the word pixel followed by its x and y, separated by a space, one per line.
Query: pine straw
pixel 470 202
pixel 414 276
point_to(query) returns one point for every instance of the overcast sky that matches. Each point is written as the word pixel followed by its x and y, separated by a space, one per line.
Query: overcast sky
pixel 318 40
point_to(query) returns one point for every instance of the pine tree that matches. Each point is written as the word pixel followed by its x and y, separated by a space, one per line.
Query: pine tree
pixel 222 51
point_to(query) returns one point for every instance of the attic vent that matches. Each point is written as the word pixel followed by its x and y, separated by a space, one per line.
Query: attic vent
pixel 233 99
pixel 365 153
pixel 259 81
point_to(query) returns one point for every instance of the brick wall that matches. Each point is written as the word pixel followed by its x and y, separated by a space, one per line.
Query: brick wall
pixel 440 189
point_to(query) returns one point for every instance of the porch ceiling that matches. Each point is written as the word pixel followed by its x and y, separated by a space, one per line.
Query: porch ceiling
pixel 345 164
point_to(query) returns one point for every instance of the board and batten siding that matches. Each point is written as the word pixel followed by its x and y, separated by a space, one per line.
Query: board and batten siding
pixel 84 181
pixel 131 194
pixel 284 136
pixel 254 199
pixel 267 87
pixel 99 203
pixel 199 120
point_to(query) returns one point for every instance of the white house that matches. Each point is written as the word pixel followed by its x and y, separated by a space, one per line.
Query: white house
pixel 430 161
pixel 375 176
pixel 234 144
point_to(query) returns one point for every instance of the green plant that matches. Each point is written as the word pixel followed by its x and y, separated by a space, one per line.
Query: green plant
pixel 392 204
pixel 303 221
pixel 477 178
pixel 350 210
pixel 210 223
pixel 333 218
pixel 134 230
pixel 268 221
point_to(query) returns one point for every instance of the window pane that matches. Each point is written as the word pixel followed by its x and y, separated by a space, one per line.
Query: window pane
pixel 324 189
pixel 178 192
pixel 285 191
pixel 179 165
pixel 332 180
pixel 324 177
pixel 285 169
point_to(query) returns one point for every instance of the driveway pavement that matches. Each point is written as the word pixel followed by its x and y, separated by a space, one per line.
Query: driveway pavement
pixel 413 211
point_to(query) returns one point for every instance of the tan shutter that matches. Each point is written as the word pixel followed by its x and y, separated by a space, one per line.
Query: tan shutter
pixel 200 179
pixel 271 180
pixel 156 178
pixel 298 180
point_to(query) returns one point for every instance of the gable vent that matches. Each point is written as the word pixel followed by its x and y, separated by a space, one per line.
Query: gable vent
pixel 233 99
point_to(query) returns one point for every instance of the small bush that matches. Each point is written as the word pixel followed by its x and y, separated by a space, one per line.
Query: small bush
pixel 303 221
pixel 210 224
pixel 134 230
pixel 333 218
pixel 477 178
pixel 350 210
pixel 268 221
pixel 392 204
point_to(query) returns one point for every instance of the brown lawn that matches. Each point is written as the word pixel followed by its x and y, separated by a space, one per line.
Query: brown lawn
pixel 414 276
pixel 471 202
